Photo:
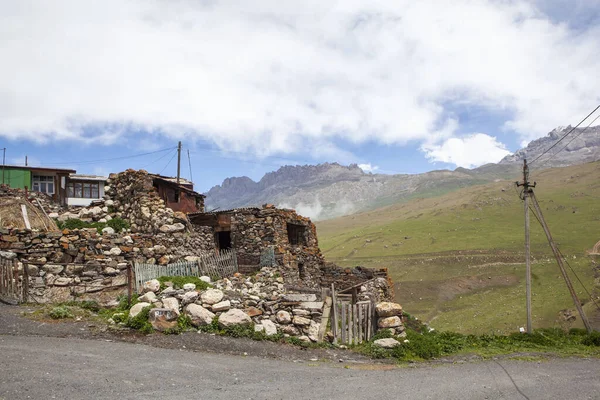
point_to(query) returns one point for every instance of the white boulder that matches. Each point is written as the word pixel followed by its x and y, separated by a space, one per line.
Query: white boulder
pixel 234 317
pixel 211 296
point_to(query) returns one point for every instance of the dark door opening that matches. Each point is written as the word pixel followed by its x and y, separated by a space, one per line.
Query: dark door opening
pixel 224 240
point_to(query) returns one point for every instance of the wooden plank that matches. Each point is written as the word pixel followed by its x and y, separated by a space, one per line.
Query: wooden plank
pixel 344 325
pixel 361 335
pixel 25 216
pixel 350 324
pixel 334 325
pixel 324 319
pixel 355 322
pixel 369 323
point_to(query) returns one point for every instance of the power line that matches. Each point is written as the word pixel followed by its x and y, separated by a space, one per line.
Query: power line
pixel 576 136
pixel 155 161
pixel 567 134
pixel 569 265
pixel 171 159
pixel 190 164
pixel 109 159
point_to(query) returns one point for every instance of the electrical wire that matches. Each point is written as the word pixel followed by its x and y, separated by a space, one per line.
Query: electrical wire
pixel 566 261
pixel 567 134
pixel 171 159
pixel 576 136
pixel 190 164
pixel 155 161
pixel 576 276
pixel 110 159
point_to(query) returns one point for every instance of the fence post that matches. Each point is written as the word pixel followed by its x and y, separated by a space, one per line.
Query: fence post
pixel 25 284
pixel 129 284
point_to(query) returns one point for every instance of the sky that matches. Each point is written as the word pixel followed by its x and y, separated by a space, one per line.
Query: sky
pixel 394 86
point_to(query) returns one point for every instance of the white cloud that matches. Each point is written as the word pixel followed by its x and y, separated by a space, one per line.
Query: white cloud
pixel 368 167
pixel 270 76
pixel 468 152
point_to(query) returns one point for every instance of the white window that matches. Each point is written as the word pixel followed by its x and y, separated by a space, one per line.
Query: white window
pixel 44 184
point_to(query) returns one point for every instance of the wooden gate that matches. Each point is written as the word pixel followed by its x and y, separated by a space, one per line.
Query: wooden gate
pixel 352 323
pixel 13 286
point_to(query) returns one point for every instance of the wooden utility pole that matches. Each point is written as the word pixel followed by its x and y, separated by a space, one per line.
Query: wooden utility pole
pixel 560 262
pixel 526 191
pixel 178 162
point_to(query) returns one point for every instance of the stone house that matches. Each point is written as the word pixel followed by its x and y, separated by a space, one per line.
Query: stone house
pixel 266 236
pixel 178 196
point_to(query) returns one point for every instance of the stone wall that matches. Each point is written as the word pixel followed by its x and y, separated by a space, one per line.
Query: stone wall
pixel 87 264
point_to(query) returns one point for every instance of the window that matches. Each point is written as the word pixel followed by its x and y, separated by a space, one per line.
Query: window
pixel 83 190
pixel 44 184
pixel 296 234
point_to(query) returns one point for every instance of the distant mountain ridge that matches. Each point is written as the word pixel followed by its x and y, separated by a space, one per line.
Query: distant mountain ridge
pixel 330 190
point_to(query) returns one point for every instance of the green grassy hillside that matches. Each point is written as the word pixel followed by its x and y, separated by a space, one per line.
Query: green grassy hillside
pixel 458 260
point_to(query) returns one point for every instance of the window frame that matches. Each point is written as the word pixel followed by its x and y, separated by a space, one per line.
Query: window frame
pixel 42 183
pixel 77 190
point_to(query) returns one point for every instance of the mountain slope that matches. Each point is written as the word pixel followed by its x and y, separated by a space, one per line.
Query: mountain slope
pixel 330 190
pixel 457 259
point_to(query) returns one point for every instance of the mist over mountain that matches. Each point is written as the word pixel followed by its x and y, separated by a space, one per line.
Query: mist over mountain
pixel 331 190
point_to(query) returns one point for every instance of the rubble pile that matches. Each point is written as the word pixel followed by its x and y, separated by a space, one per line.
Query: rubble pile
pixel 240 300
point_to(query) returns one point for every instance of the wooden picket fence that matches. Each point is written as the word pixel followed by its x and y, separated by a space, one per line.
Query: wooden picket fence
pixel 216 266
pixel 352 323
pixel 14 287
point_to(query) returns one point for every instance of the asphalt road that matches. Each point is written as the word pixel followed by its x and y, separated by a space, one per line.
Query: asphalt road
pixel 69 368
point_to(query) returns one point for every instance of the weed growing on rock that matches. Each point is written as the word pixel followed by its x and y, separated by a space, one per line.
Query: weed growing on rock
pixel 118 224
pixel 179 281
pixel 184 323
pixel 60 312
pixel 140 321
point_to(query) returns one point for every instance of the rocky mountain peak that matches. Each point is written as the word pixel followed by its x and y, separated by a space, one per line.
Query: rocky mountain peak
pixel 581 146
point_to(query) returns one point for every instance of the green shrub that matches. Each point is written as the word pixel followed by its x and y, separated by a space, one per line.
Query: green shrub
pixel 184 323
pixel 140 321
pixel 118 224
pixel 60 312
pixel 119 317
pixel 593 339
pixel 423 345
pixel 179 281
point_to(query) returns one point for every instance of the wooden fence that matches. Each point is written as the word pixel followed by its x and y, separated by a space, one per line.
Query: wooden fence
pixel 214 265
pixel 14 287
pixel 352 323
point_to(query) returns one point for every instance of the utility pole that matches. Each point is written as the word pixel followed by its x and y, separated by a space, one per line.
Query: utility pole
pixel 3 163
pixel 560 262
pixel 526 191
pixel 178 162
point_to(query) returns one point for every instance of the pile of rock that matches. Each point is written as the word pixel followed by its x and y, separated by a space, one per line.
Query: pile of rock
pixel 258 300
pixel 389 316
pixel 132 197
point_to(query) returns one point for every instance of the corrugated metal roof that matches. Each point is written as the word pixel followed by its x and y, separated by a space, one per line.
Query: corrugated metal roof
pixel 82 177
pixel 225 211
